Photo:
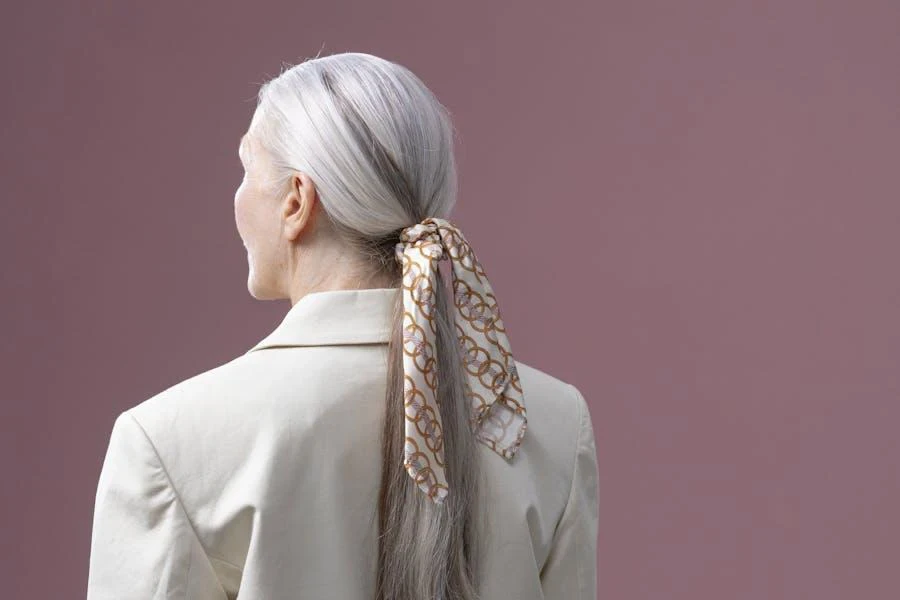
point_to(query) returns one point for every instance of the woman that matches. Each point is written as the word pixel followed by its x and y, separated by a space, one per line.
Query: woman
pixel 381 442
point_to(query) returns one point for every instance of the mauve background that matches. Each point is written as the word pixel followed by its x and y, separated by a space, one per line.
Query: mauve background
pixel 687 209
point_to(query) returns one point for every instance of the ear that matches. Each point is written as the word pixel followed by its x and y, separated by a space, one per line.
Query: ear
pixel 298 204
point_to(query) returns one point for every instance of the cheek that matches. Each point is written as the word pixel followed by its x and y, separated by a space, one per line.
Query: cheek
pixel 241 216
pixel 254 223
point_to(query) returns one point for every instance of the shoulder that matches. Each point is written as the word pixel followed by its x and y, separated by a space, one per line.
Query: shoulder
pixel 236 391
pixel 551 398
pixel 192 419
pixel 558 415
pixel 200 425
pixel 197 394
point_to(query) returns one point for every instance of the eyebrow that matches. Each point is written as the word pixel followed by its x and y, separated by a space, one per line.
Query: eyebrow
pixel 241 144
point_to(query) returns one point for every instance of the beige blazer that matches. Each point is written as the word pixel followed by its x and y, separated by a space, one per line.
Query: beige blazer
pixel 258 479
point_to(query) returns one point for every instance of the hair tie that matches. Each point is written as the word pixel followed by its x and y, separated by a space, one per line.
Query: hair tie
pixel 497 409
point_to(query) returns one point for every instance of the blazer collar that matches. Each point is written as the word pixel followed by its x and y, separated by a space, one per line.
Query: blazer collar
pixel 329 317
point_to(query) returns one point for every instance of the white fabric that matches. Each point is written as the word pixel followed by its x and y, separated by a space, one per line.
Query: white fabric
pixel 258 479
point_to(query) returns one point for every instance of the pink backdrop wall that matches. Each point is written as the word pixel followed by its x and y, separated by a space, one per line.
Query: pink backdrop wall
pixel 687 209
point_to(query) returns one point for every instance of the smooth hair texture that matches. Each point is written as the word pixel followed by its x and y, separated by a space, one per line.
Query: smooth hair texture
pixel 379 147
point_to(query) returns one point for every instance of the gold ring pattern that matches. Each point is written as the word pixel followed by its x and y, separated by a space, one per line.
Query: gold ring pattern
pixel 494 393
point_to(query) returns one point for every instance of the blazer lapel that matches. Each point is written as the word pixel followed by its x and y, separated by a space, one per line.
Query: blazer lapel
pixel 330 317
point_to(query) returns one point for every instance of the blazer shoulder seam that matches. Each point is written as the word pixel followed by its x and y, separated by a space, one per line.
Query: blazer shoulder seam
pixel 579 432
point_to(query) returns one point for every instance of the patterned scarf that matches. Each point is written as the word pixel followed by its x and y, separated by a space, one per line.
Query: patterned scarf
pixel 497 409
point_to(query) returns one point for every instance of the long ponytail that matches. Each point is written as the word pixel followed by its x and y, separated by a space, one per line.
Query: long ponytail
pixel 427 550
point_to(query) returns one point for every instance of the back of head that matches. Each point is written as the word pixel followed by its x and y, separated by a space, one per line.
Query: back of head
pixel 379 147
pixel 373 137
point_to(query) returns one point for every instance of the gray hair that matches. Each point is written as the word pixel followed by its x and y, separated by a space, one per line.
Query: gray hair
pixel 379 147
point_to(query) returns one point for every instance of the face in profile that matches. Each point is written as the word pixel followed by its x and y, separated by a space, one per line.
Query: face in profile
pixel 256 218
